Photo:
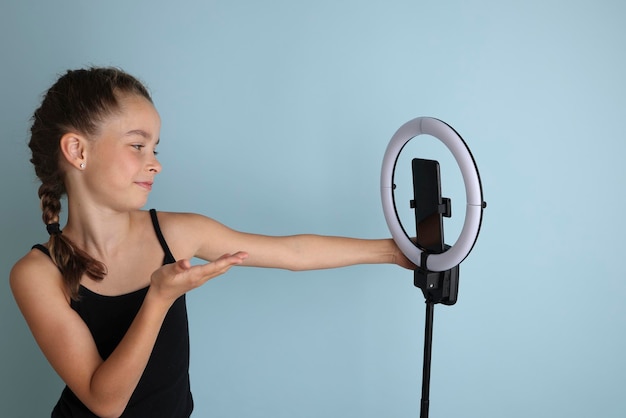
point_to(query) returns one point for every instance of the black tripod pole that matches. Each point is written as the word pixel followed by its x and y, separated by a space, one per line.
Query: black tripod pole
pixel 428 345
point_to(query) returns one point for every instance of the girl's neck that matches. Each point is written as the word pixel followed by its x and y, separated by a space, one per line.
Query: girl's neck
pixel 99 232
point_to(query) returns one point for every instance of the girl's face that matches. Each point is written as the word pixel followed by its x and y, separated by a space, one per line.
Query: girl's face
pixel 121 160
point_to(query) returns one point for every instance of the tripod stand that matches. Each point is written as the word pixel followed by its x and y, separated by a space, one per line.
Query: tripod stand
pixel 437 287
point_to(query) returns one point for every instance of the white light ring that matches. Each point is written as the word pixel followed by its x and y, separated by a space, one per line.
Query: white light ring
pixel 473 191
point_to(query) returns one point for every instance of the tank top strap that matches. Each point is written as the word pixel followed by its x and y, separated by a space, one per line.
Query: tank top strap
pixel 41 248
pixel 168 258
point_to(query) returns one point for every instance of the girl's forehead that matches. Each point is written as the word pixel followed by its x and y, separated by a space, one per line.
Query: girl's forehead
pixel 136 114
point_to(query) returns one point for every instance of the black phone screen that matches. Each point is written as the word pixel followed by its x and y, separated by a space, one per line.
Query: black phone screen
pixel 427 195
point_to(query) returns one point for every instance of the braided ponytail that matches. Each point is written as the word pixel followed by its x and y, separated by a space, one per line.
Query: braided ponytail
pixel 78 101
pixel 71 260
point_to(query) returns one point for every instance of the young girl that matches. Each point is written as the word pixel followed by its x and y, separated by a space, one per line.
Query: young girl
pixel 105 296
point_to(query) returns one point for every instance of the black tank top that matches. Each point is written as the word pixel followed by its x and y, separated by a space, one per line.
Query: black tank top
pixel 163 390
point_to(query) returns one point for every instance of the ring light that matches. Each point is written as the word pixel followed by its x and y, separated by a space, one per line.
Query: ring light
pixel 473 191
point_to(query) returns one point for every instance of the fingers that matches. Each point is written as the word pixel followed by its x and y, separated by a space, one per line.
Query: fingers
pixel 181 265
pixel 173 280
pixel 205 272
pixel 224 263
pixel 236 258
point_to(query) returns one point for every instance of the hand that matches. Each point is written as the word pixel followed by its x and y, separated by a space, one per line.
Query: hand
pixel 173 280
pixel 400 259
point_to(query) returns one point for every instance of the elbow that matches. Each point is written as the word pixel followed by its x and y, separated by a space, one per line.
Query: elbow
pixel 107 412
pixel 106 403
pixel 296 267
pixel 107 409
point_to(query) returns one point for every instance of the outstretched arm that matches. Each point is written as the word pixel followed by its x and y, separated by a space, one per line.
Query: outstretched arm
pixel 206 238
pixel 312 252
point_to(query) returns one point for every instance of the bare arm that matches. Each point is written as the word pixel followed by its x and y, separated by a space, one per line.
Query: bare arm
pixel 103 386
pixel 312 252
pixel 206 238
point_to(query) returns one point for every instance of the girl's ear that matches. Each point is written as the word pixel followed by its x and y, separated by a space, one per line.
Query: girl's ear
pixel 74 149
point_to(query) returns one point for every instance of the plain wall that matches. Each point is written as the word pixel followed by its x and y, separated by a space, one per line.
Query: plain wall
pixel 276 116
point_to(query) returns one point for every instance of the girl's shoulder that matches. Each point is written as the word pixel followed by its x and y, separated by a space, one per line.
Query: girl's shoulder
pixel 35 273
pixel 185 221
pixel 36 261
pixel 188 233
pixel 176 221
pixel 183 231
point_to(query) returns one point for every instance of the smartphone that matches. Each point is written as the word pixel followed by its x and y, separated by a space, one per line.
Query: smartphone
pixel 428 201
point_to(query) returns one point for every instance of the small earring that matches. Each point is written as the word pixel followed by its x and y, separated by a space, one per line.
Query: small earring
pixel 82 166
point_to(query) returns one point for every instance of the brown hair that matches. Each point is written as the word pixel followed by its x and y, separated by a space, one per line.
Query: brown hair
pixel 79 101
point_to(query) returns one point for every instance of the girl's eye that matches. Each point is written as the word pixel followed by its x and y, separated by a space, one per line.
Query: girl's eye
pixel 139 147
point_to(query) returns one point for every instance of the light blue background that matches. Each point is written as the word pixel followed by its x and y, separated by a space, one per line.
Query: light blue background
pixel 276 116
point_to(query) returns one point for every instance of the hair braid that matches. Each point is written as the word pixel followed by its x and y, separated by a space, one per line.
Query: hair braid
pixel 71 260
